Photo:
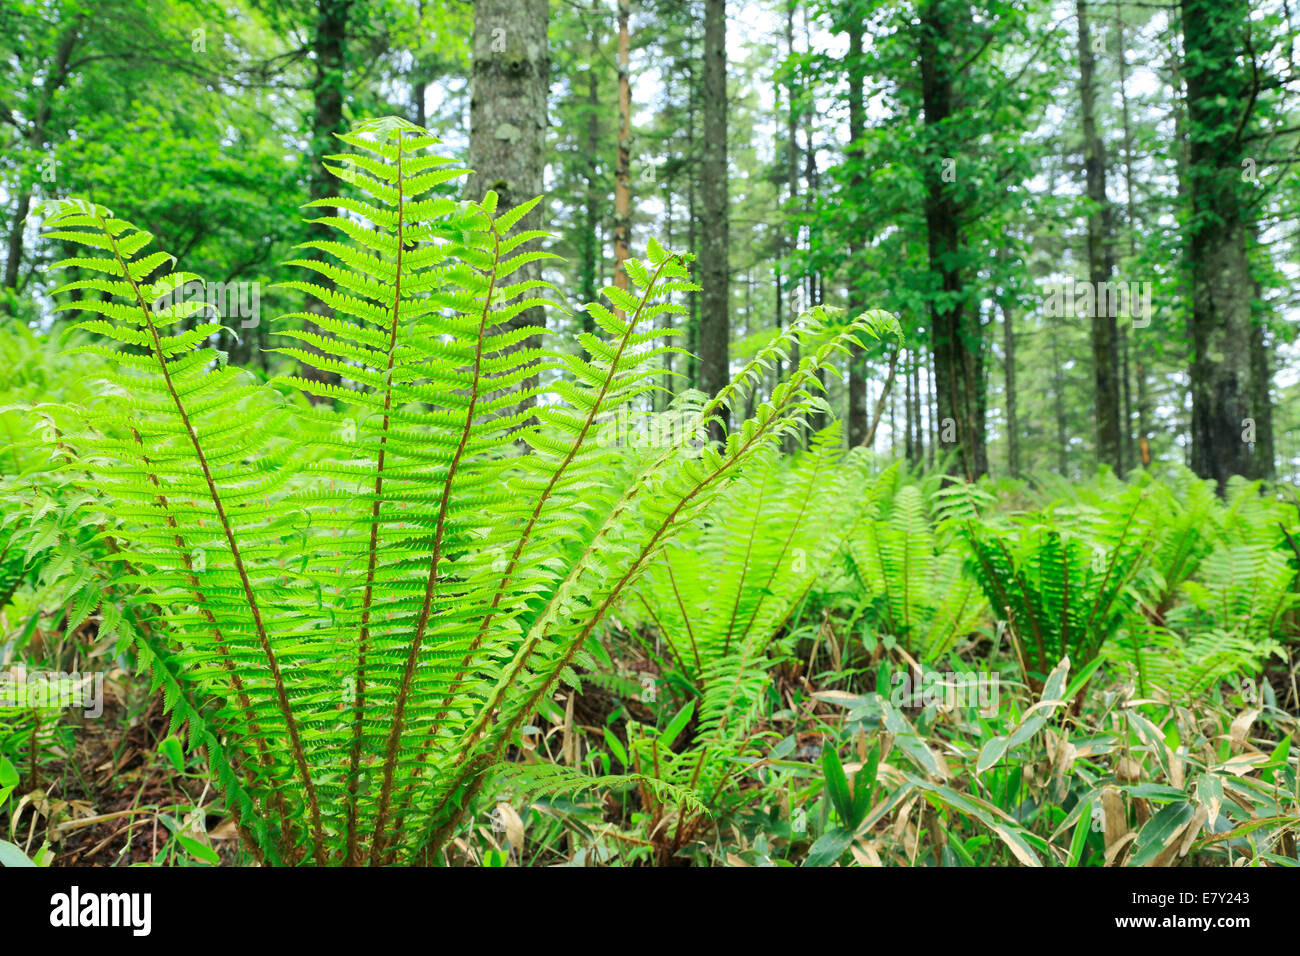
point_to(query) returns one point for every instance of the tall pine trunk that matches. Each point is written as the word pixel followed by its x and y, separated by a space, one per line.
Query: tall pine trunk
pixel 956 334
pixel 509 82
pixel 857 304
pixel 1009 377
pixel 1219 102
pixel 715 330
pixel 329 46
pixel 1104 330
pixel 623 171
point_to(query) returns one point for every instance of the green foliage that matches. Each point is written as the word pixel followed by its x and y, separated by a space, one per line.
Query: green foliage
pixel 1062 591
pixel 924 601
pixel 362 607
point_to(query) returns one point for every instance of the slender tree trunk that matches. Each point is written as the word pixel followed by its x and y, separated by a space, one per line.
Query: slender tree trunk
pixel 1058 388
pixel 692 210
pixel 715 330
pixel 857 302
pixel 909 424
pixel 931 406
pixel 793 281
pixel 588 247
pixel 1261 377
pixel 955 329
pixel 918 441
pixel 623 171
pixel 1009 377
pixel 1144 441
pixel 509 82
pixel 1136 453
pixel 817 420
pixel 55 77
pixel 1126 403
pixel 1104 331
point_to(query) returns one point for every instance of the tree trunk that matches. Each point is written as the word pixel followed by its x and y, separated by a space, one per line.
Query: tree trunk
pixel 623 171
pixel 509 82
pixel 918 441
pixel 55 77
pixel 931 406
pixel 817 420
pixel 1261 399
pixel 1009 377
pixel 1058 387
pixel 857 303
pixel 692 208
pixel 1219 101
pixel 329 48
pixel 714 320
pixel 588 248
pixel 955 330
pixel 1104 331
pixel 1136 453
pixel 791 246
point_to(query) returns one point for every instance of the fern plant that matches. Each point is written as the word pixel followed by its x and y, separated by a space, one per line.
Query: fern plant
pixel 749 561
pixel 1220 589
pixel 923 600
pixel 357 609
pixel 1064 585
pixel 712 609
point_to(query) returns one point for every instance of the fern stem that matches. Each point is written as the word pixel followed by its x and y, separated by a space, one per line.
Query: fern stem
pixel 744 570
pixel 785 548
pixel 145 631
pixel 276 800
pixel 471 775
pixel 672 648
pixel 508 576
pixel 695 649
pixel 281 695
pixel 526 536
pixel 359 701
pixel 399 709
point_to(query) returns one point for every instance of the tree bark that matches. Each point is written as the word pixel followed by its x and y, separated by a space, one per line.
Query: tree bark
pixel 956 334
pixel 791 244
pixel 623 171
pixel 1135 452
pixel 1009 378
pixel 857 304
pixel 55 77
pixel 1104 329
pixel 918 423
pixel 509 82
pixel 329 48
pixel 714 271
pixel 588 248
pixel 1220 99
pixel 1058 388
pixel 1261 376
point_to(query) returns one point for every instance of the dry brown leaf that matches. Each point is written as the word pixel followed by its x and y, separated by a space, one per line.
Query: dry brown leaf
pixel 1240 728
pixel 1128 770
pixel 865 854
pixel 1192 830
pixel 1242 764
pixel 1113 851
pixel 514 826
pixel 1114 822
pixel 225 831
pixel 1176 769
